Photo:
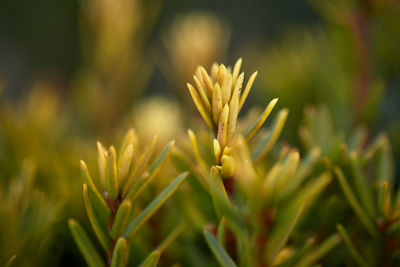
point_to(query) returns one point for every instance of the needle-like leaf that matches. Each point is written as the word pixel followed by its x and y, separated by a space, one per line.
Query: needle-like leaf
pixel 120 254
pixel 88 250
pixel 260 121
pixel 99 228
pixel 218 251
pixel 352 248
pixel 154 205
pixel 151 260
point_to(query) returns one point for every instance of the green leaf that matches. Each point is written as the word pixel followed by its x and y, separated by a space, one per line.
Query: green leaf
pixel 265 145
pixel 141 183
pixel 218 251
pixel 318 253
pixel 361 185
pixel 99 229
pixel 221 202
pixel 282 232
pixel 305 168
pixel 221 233
pixel 98 200
pixel 352 248
pixel 102 163
pixel 124 163
pixel 260 121
pixel 88 250
pixel 151 260
pixel 112 176
pixel 365 220
pixel 140 165
pixel 120 254
pixel 121 218
pixel 134 226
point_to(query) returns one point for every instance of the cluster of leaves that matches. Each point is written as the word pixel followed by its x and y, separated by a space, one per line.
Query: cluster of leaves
pixel 122 179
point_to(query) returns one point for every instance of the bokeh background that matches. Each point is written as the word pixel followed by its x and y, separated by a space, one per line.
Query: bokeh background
pixel 73 72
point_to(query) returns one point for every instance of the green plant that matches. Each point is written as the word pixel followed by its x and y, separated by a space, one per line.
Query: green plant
pixel 122 179
pixel 260 192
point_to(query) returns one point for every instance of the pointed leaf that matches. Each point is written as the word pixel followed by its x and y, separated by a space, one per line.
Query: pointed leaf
pixel 134 226
pixel 120 254
pixel 352 248
pixel 218 251
pixel 144 181
pixel 203 94
pixel 99 229
pixel 281 234
pixel 112 176
pixel 260 121
pixel 247 90
pixel 216 103
pixel 88 250
pixel 140 165
pixel 318 253
pixel 365 220
pixel 98 200
pixel 269 140
pixel 200 106
pixel 151 260
pixel 124 163
pixel 361 185
pixel 121 218
pixel 222 127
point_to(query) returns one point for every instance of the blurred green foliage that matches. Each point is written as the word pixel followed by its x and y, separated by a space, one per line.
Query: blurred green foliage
pixel 317 185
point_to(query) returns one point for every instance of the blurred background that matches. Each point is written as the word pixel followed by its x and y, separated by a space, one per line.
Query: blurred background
pixel 73 72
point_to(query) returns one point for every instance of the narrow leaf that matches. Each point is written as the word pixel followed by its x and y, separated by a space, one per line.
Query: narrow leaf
pixel 145 180
pixel 235 72
pixel 269 140
pixel 260 121
pixel 203 93
pixel 365 220
pixel 99 229
pixel 216 103
pixel 247 90
pixel 316 254
pixel 196 150
pixel 101 158
pixel 134 226
pixel 218 251
pixel 98 200
pixel 141 164
pixel 120 254
pixel 352 248
pixel 112 176
pixel 222 127
pixel 207 81
pixel 124 163
pixel 88 250
pixel 234 108
pixel 361 185
pixel 121 218
pixel 200 106
pixel 280 236
pixel 221 232
pixel 151 260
